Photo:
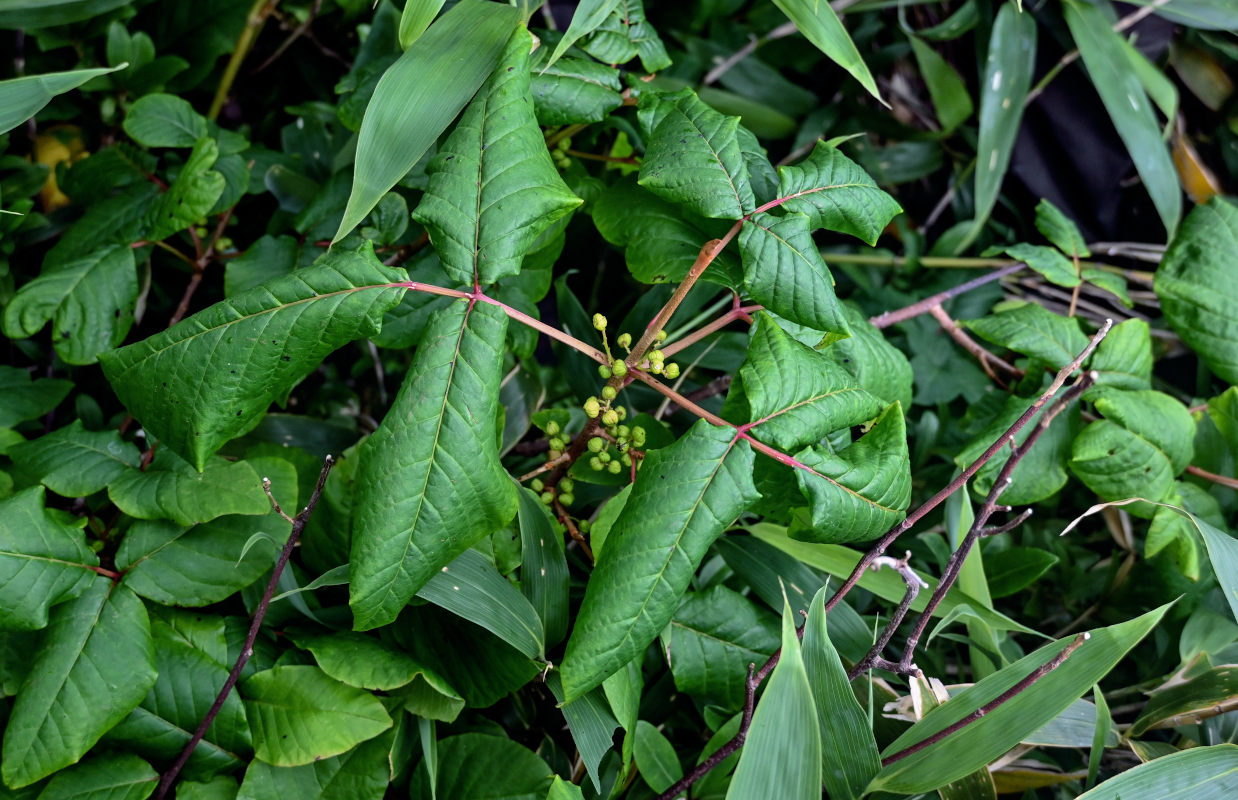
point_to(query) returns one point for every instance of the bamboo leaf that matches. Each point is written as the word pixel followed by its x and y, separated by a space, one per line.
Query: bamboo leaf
pixel 782 754
pixel 821 26
pixel 416 17
pixel 836 194
pixel 589 14
pixel 1201 773
pixel 248 351
pixel 684 497
pixel 22 98
pixel 784 272
pixel 493 187
pixel 435 454
pixel 420 94
pixel 1184 703
pixel 543 566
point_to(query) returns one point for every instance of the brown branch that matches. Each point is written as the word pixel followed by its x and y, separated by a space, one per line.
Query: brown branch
pixel 247 649
pixel 929 303
pixel 1220 480
pixel 914 584
pixel 969 344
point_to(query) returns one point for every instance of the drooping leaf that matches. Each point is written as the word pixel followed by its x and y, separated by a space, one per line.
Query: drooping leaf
pixel 795 395
pixel 171 489
pixel 89 301
pixel 878 366
pixel 164 120
pixel 435 454
pixel 1007 77
pixel 864 490
pixel 655 757
pixel 1201 773
pixel 43 561
pixel 589 14
pixel 22 98
pixel 849 758
pixel 683 498
pixel 782 754
pixel 211 377
pixel 1196 284
pixel 22 398
pixel 1124 98
pixel 95 665
pixel 493 187
pixel 1184 703
pixel 625 34
pixel 821 26
pixel 191 196
pixel 1154 416
pixel 784 272
pixel 299 715
pixel 574 90
pixel 475 765
pixel 951 100
pixel 693 156
pixel 1123 359
pixel 120 776
pixel 713 637
pixel 362 661
pixel 420 94
pixel 973 746
pixel 362 773
pixel 836 194
pixel 1060 229
pixel 470 587
pixel 543 566
pixel 75 462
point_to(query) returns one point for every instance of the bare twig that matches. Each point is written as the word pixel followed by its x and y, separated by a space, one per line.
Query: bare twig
pixel 929 303
pixel 1220 480
pixel 914 584
pixel 987 360
pixel 247 649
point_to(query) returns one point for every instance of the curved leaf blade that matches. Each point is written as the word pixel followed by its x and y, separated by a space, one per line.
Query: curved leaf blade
pixel 784 272
pixel 684 497
pixel 420 94
pixel 430 479
pixel 589 14
pixel 836 194
pixel 210 378
pixel 1201 773
pixel 543 565
pixel 22 98
pixel 493 186
pixel 819 23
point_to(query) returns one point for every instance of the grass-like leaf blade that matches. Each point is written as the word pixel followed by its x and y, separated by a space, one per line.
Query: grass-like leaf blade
pixel 684 497
pixel 22 98
pixel 211 377
pixel 819 23
pixel 1201 773
pixel 430 482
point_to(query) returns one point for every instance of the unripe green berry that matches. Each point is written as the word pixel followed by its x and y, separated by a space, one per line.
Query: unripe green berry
pixel 627 460
pixel 548 497
pixel 623 432
pixel 596 464
pixel 564 143
pixel 660 337
pixel 657 355
pixel 567 485
pixel 553 454
pixel 671 370
pixel 604 371
pixel 614 468
pixel 622 412
pixel 619 368
pixel 200 231
pixel 557 444
pixel 603 457
pixel 566 498
pixel 597 444
pixel 599 322
pixel 624 340
pixel 610 417
pixel 638 437
pixel 656 368
pixel 609 392
pixel 593 407
pixel 585 526
pixel 537 485
pixel 552 428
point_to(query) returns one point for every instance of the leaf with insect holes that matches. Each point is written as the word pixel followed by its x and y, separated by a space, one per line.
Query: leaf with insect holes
pixel 836 194
pixel 434 457
pixel 684 497
pixel 211 377
pixel 493 187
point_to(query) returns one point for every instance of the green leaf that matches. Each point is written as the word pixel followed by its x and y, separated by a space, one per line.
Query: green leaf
pixel 625 34
pixel 1061 230
pixel 836 194
pixel 361 661
pixel 1032 330
pixel 164 120
pixel 188 683
pixel 362 773
pixel 248 351
pixel 1223 411
pixel 784 272
pixel 562 790
pixel 543 571
pixel 849 756
pixel 1041 473
pixel 416 17
pixel 42 561
pixel 821 26
pixel 693 156
pixel 111 777
pixel 1217 15
pixel 32 14
pixel 493 187
pixel 1185 703
pixel 299 715
pixel 656 758
pixel 75 462
pixel 712 639
pixel 90 299
pixel 1003 727
pixel 191 196
pixel 22 398
pixel 221 787
pixel 878 366
pixel 171 489
pixel 1156 417
pixel 1127 103
pixel 1007 77
pixel 482 767
pixel 1015 568
pixel 471 587
pixel 1196 285
pixel 796 395
pixel 589 14
pixel 574 90
pixel 419 96
pixel 22 98
pixel 951 100
pixel 1123 359
pixel 862 491
pixel 591 724
pixel 1117 463
pixel 684 497
pixel 1055 267
pixel 95 665
pixel 782 754
pixel 1201 773
pixel 435 454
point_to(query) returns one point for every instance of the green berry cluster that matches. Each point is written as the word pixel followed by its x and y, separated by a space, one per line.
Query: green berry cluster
pixel 556 438
pixel 618 367
pixel 559 153
pixel 626 439
pixel 564 491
